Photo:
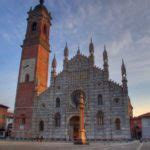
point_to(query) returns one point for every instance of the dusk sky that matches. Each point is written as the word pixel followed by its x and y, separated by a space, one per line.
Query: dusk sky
pixel 122 25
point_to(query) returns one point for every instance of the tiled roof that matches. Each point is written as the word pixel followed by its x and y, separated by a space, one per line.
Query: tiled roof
pixel 3 106
pixel 144 115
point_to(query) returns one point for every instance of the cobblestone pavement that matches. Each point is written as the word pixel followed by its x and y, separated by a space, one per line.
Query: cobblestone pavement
pixel 135 145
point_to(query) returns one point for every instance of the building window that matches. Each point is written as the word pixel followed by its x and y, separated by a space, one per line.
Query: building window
pixel 45 29
pixel 117 123
pixel 43 105
pixel 41 126
pixel 22 122
pixel 27 78
pixel 75 96
pixel 34 26
pixel 100 100
pixel 57 120
pixel 57 102
pixel 100 118
pixel 116 100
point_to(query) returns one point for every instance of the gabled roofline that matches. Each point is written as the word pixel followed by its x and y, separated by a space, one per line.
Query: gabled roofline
pixel 3 106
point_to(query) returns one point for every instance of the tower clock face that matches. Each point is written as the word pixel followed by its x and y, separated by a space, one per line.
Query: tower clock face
pixel 27 68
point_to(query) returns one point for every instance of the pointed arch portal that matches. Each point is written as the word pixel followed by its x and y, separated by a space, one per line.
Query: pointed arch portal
pixel 74 127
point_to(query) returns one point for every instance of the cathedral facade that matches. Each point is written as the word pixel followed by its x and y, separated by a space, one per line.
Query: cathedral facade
pixel 53 112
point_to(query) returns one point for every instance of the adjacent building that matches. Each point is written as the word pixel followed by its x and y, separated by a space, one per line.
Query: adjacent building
pixel 3 116
pixel 9 124
pixel 140 126
pixel 145 119
pixel 6 120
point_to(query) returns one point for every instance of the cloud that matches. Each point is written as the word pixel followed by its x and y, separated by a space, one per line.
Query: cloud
pixel 121 44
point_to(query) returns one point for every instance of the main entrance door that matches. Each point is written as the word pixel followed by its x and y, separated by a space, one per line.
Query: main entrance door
pixel 74 127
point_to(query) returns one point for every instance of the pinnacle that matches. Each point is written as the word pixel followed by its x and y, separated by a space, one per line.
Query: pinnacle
pixel 41 2
pixel 104 47
pixel 66 44
pixel 91 40
pixel 122 61
pixel 78 52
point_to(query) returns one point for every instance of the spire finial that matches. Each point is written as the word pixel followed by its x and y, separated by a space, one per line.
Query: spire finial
pixel 54 62
pixel 31 8
pixel 91 47
pixel 91 40
pixel 66 51
pixel 41 2
pixel 123 68
pixel 104 47
pixel 105 56
pixel 124 78
pixel 123 65
pixel 78 52
pixel 66 44
pixel 122 61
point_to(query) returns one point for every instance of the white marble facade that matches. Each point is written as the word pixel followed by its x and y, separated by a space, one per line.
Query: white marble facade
pixel 106 102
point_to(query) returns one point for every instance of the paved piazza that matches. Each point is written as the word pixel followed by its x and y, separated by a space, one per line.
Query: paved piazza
pixel 7 145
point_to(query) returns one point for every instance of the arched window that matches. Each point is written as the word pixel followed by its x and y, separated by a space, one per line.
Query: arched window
pixel 100 118
pixel 75 96
pixel 100 100
pixel 116 100
pixel 27 78
pixel 117 123
pixel 45 29
pixel 34 26
pixel 22 121
pixel 41 125
pixel 57 120
pixel 57 102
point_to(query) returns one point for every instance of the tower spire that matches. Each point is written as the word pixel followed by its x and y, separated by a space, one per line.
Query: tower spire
pixel 78 52
pixel 54 63
pixel 66 54
pixel 91 47
pixel 66 51
pixel 124 77
pixel 106 66
pixel 123 69
pixel 53 73
pixel 91 52
pixel 105 56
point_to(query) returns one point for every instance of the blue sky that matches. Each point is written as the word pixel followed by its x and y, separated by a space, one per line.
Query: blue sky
pixel 123 26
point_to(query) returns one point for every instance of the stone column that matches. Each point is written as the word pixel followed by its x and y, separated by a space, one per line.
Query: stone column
pixel 82 134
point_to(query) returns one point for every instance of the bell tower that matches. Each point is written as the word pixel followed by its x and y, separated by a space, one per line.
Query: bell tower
pixel 33 71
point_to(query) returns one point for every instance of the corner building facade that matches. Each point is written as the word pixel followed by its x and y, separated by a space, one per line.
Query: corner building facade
pixel 55 110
